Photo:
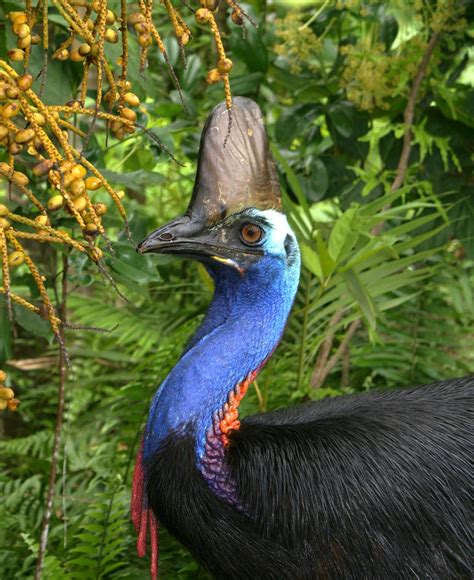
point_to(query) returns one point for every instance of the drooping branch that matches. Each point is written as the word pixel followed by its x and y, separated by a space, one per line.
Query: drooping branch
pixel 63 367
pixel 324 365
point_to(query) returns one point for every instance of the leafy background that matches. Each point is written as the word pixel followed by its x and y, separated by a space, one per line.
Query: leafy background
pixel 333 80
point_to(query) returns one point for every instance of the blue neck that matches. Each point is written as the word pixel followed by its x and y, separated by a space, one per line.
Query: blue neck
pixel 243 326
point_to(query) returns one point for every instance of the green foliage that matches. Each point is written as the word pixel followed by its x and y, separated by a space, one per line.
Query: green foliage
pixel 399 261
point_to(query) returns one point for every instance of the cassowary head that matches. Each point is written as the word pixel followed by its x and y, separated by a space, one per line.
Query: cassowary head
pixel 234 218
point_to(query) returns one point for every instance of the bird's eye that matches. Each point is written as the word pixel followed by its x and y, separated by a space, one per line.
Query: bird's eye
pixel 251 234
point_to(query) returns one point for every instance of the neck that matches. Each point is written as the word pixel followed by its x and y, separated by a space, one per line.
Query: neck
pixel 243 326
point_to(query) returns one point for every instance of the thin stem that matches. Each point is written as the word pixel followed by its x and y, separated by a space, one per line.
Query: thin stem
pixel 62 362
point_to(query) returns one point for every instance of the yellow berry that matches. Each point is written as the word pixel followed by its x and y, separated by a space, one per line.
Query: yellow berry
pixel 202 15
pixel 42 220
pixel 6 393
pixel 22 30
pixel 111 35
pixel 90 230
pixel 128 114
pixel 42 167
pixel 100 208
pixel 80 203
pixel 10 110
pixel 24 136
pixel 3 376
pixel 55 202
pixel 84 49
pixel 20 178
pixel 224 65
pixel 79 171
pixel 3 405
pixel 4 223
pixel 3 212
pixel 16 258
pixel 93 183
pixel 131 99
pixel 213 76
pixel 120 194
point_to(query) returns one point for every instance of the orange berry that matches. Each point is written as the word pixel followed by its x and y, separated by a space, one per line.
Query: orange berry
pixel 236 17
pixel 100 208
pixel 93 183
pixel 3 376
pixel 20 178
pixel 131 99
pixel 3 405
pixel 128 114
pixel 12 404
pixel 213 76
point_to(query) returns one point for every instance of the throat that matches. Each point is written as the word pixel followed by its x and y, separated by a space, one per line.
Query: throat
pixel 202 393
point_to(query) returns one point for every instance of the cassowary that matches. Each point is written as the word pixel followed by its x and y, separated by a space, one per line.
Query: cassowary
pixel 370 486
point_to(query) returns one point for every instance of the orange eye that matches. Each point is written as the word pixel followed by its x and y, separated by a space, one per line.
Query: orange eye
pixel 251 234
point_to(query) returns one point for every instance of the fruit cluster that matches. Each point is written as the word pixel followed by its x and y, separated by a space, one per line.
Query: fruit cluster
pixel 7 396
pixel 39 142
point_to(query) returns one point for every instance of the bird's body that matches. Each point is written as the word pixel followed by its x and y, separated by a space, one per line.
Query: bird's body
pixel 373 486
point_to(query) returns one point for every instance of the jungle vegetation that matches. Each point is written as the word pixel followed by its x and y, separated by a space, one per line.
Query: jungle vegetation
pixel 370 110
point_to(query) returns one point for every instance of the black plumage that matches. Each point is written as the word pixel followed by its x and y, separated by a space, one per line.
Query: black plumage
pixel 374 486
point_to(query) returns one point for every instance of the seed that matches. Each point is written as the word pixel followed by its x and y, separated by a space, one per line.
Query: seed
pixel 77 187
pixel 55 202
pixel 20 178
pixel 100 208
pixel 10 110
pixel 93 183
pixel 84 49
pixel 224 65
pixel 16 55
pixel 202 15
pixel 42 220
pixel 131 99
pixel 24 42
pixel 3 376
pixel 24 135
pixel 3 405
pixel 42 167
pixel 80 203
pixel 213 76
pixel 4 223
pixel 90 230
pixel 6 393
pixel 236 17
pixel 16 259
pixel 111 35
pixel 128 114
pixel 3 132
pixel 79 170
pixel 3 212
pixel 12 404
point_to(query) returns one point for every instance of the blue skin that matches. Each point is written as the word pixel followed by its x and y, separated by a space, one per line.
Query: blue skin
pixel 245 322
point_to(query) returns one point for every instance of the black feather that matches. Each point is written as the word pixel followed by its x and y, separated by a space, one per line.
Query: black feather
pixel 373 486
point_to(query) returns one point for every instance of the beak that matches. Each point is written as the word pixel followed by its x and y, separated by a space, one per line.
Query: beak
pixel 191 238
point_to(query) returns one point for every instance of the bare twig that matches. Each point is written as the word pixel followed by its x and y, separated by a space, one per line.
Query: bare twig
pixel 324 366
pixel 57 431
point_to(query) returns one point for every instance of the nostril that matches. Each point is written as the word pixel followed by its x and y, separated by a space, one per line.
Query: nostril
pixel 166 237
